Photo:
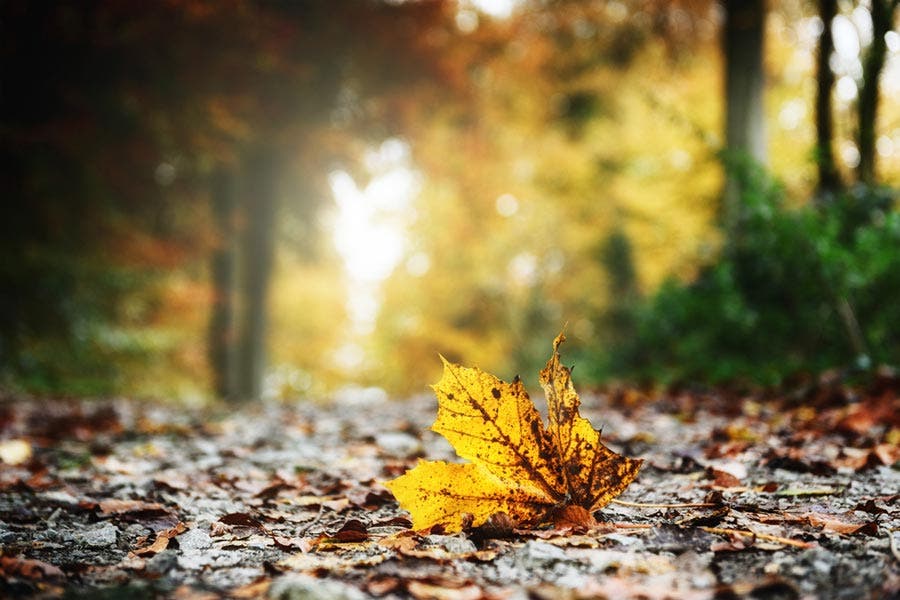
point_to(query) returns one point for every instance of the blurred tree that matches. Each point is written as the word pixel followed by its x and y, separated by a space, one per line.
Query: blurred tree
pixel 100 212
pixel 263 177
pixel 882 15
pixel 829 181
pixel 333 70
pixel 742 46
pixel 618 322
pixel 221 345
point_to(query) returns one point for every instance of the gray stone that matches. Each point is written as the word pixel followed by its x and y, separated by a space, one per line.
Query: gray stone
pixel 304 587
pixel 193 540
pixel 233 577
pixel 452 544
pixel 59 497
pixel 538 555
pixel 163 562
pixel 98 536
pixel 210 558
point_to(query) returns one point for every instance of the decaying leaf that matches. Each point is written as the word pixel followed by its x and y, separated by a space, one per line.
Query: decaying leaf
pixel 518 466
pixel 162 541
pixel 18 567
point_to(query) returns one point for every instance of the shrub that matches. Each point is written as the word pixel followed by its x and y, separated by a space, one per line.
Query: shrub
pixel 793 290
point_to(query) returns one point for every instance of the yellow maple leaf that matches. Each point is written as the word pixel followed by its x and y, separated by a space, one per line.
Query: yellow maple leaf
pixel 519 467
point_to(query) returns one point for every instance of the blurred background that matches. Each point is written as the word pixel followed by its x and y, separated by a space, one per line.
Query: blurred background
pixel 244 199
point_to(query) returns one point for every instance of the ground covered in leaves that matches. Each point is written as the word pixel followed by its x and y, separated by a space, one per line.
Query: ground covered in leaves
pixel 796 496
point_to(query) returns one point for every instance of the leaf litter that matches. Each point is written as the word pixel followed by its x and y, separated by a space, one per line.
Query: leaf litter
pixel 739 495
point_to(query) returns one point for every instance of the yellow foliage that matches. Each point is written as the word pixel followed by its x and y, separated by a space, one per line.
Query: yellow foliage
pixel 305 339
pixel 519 467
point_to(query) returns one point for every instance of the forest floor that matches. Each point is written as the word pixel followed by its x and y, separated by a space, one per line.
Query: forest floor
pixel 122 499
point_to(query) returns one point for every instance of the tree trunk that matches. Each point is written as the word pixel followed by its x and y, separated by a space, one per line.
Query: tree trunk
pixel 882 12
pixel 829 179
pixel 617 257
pixel 222 340
pixel 260 195
pixel 745 140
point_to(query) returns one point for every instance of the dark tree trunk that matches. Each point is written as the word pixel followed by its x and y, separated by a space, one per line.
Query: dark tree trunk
pixel 829 179
pixel 745 140
pixel 882 12
pixel 260 203
pixel 222 343
pixel 617 256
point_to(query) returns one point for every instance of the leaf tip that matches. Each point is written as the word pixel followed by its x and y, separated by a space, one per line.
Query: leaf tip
pixel 559 340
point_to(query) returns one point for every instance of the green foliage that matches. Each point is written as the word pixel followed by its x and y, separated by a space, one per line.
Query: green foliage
pixel 793 290
pixel 76 325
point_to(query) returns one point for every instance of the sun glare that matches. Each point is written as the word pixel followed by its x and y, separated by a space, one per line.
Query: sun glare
pixel 369 232
pixel 496 8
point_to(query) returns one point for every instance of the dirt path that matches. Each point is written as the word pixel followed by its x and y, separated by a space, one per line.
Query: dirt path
pixel 142 501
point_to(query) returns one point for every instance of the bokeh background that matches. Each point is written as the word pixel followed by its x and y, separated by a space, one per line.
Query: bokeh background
pixel 290 199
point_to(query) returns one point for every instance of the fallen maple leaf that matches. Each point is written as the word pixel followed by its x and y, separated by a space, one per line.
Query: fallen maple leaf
pixel 519 467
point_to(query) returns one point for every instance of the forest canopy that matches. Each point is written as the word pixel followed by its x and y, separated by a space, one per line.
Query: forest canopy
pixel 248 198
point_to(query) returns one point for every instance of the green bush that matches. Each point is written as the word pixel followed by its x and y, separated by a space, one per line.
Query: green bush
pixel 67 329
pixel 794 290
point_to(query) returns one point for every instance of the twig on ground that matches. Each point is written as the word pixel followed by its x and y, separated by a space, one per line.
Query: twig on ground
pixel 676 505
pixel 744 532
pixel 633 525
pixel 894 550
pixel 312 523
pixel 762 536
